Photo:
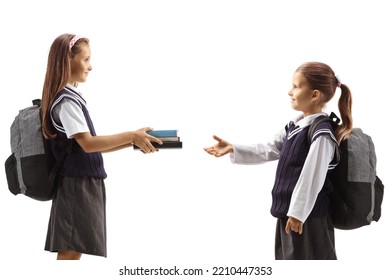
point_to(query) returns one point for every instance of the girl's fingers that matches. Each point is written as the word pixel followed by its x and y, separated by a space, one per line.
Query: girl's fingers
pixel 217 138
pixel 155 139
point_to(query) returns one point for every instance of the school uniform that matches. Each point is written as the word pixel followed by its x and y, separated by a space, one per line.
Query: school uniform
pixel 78 214
pixel 299 186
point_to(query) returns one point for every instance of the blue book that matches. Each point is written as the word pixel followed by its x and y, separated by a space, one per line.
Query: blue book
pixel 163 133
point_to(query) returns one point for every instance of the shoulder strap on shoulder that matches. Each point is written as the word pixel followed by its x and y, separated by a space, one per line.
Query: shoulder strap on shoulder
pixel 333 118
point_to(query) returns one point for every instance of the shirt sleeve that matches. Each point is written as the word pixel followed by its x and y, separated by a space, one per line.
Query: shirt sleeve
pixel 312 178
pixel 71 116
pixel 258 153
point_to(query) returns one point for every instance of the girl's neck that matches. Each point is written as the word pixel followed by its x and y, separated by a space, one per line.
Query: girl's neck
pixel 73 84
pixel 312 112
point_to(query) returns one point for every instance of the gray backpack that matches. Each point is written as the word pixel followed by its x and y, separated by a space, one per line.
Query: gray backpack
pixel 355 191
pixel 31 168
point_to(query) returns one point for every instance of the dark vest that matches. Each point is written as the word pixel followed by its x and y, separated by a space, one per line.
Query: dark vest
pixel 291 161
pixel 78 163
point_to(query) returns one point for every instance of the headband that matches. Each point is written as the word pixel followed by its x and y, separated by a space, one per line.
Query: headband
pixel 74 40
pixel 338 81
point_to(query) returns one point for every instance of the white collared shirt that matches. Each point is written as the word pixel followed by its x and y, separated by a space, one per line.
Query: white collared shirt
pixel 71 116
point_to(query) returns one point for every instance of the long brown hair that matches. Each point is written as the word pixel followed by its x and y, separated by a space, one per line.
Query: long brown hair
pixel 57 75
pixel 321 77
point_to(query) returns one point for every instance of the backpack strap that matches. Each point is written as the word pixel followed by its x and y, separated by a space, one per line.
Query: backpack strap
pixel 56 168
pixel 68 149
pixel 333 118
pixel 37 102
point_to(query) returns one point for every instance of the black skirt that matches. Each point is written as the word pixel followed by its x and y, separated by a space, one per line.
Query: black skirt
pixel 315 243
pixel 78 217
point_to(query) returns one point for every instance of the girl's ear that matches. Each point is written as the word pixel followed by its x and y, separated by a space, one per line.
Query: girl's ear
pixel 316 94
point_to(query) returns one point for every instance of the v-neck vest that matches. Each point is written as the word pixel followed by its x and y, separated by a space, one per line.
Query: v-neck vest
pixel 292 159
pixel 78 163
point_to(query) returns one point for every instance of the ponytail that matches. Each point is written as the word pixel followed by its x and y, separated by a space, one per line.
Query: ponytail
pixel 345 108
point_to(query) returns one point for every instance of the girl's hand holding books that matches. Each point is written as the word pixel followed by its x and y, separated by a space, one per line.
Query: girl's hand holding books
pixel 143 140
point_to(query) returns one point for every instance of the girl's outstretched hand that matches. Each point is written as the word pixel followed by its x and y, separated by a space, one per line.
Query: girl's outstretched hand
pixel 220 149
pixel 143 140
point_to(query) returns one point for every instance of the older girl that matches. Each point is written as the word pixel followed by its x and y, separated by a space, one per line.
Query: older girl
pixel 78 216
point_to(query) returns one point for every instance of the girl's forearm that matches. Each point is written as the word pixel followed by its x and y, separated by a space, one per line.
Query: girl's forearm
pixel 107 143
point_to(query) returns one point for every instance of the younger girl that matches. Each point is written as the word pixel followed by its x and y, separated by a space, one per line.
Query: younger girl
pixel 299 200
pixel 78 216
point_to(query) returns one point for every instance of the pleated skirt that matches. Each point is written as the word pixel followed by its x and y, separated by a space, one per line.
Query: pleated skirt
pixel 316 242
pixel 78 217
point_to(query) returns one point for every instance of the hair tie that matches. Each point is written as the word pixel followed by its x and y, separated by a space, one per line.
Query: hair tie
pixel 74 40
pixel 338 81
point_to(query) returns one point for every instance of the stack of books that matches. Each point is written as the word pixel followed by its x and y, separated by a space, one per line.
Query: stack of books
pixel 169 138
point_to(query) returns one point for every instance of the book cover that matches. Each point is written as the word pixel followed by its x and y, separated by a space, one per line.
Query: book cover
pixel 165 145
pixel 169 139
pixel 163 133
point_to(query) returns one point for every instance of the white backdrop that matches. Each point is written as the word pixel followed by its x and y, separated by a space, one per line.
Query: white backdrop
pixel 204 68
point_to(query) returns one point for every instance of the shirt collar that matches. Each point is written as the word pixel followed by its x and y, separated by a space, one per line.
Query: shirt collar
pixel 74 89
pixel 302 121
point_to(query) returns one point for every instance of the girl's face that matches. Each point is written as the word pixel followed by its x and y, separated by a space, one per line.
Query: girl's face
pixel 303 98
pixel 80 65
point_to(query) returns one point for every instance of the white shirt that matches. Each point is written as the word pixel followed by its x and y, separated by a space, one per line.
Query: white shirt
pixel 71 116
pixel 312 177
